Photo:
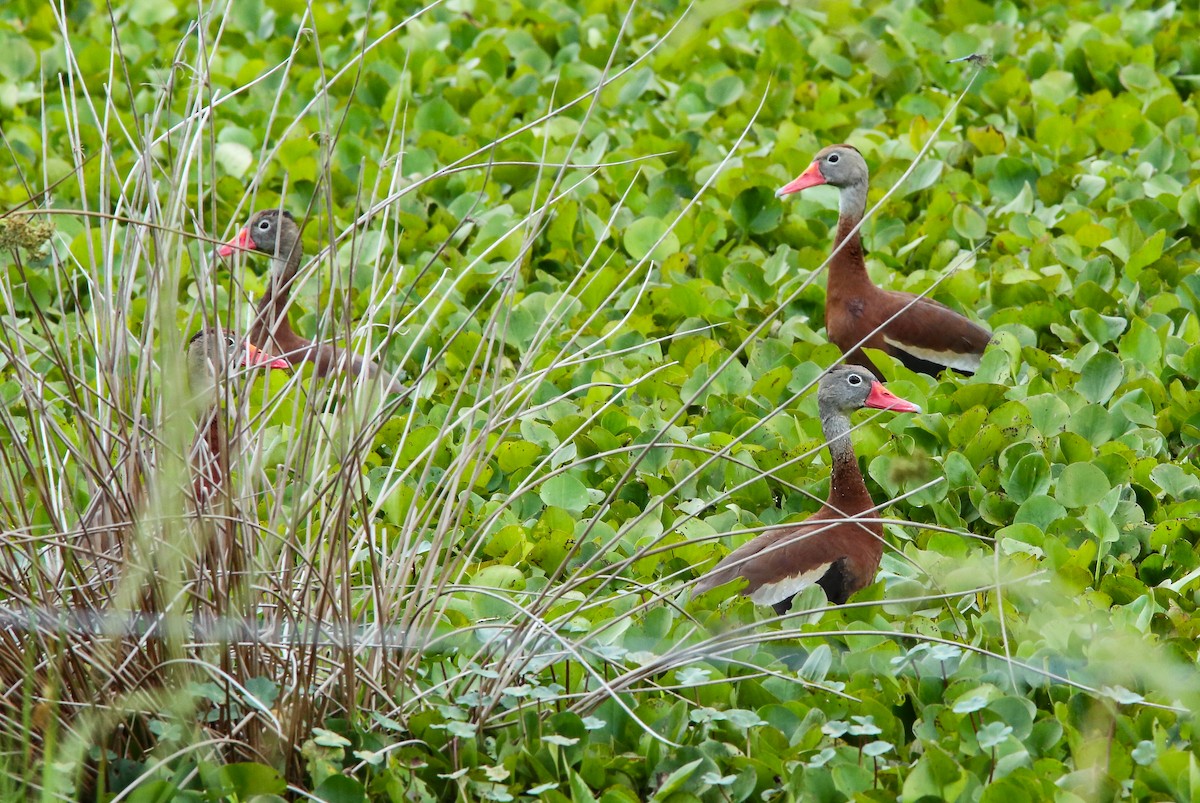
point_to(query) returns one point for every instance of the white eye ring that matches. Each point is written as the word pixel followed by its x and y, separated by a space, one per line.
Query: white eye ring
pixel 854 379
pixel 263 225
pixel 832 159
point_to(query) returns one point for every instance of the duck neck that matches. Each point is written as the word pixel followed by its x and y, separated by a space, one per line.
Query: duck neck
pixel 847 490
pixel 848 265
pixel 210 462
pixel 271 330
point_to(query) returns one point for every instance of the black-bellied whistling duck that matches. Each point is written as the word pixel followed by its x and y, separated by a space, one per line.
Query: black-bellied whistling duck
pixel 923 334
pixel 276 234
pixel 213 354
pixel 829 548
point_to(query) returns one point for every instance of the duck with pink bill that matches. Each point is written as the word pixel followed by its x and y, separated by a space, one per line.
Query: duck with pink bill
pixel 275 233
pixel 924 335
pixel 831 548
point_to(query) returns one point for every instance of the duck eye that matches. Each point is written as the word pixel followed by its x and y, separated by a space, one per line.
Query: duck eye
pixel 854 379
pixel 833 158
pixel 264 225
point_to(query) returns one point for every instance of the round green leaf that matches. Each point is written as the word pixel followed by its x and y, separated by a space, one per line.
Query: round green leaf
pixel 756 210
pixel 1100 377
pixel 234 158
pixel 1080 485
pixel 642 234
pixel 969 223
pixel 513 455
pixel 565 491
pixel 725 90
pixel 340 789
pixel 1029 477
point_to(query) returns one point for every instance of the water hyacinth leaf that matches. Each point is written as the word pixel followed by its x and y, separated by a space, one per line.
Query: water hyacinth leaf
pixel 641 236
pixel 677 780
pixel 725 90
pixel 1101 329
pixel 1150 251
pixel 969 223
pixel 1080 485
pixel 817 664
pixel 234 158
pixel 513 455
pixel 435 114
pixel 1029 477
pixel 1100 377
pixel 756 210
pixel 566 492
pixel 340 789
pixel 246 779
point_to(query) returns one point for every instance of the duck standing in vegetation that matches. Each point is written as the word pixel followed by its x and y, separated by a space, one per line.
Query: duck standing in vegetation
pixel 212 355
pixel 830 548
pixel 924 335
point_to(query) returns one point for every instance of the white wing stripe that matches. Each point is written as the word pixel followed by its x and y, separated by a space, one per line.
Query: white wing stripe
pixel 950 359
pixel 788 587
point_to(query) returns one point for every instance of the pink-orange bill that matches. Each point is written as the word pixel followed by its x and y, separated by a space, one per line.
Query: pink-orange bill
pixel 241 242
pixel 809 178
pixel 256 357
pixel 883 399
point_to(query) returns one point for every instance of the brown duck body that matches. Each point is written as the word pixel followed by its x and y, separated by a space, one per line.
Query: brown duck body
pixel 276 234
pixel 924 335
pixel 212 355
pixel 830 549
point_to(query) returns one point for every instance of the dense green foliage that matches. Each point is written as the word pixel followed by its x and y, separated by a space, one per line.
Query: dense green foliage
pixel 558 219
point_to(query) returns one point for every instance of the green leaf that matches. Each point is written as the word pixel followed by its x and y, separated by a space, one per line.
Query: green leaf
pixel 1149 253
pixel 19 59
pixel 1175 481
pixel 1100 377
pixel 513 455
pixel 643 233
pixel 968 223
pixel 435 114
pixel 1029 477
pixel 340 789
pixel 725 90
pixel 1080 485
pixel 247 779
pixel 150 13
pixel 756 210
pixel 234 158
pixel 676 780
pixel 566 492
pixel 1100 329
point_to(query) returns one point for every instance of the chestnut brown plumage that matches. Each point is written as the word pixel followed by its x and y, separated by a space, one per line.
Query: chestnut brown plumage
pixel 212 355
pixel 275 233
pixel 829 548
pixel 923 334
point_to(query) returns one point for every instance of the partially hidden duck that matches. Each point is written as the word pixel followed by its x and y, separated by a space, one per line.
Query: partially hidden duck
pixel 275 233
